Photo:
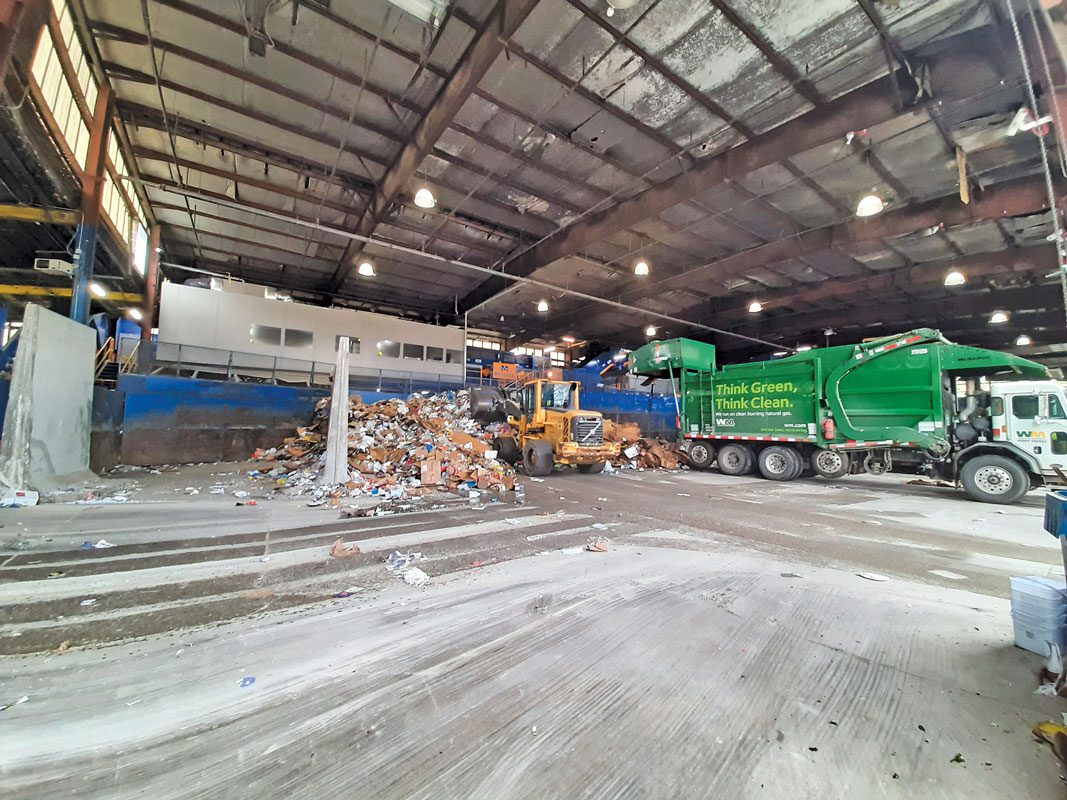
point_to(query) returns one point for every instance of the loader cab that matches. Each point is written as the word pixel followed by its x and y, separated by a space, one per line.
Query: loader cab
pixel 538 397
pixel 1032 415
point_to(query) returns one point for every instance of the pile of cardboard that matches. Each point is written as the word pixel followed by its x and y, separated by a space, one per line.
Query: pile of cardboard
pixel 396 449
pixel 638 452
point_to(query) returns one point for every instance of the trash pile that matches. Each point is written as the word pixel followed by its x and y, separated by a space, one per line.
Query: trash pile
pixel 397 449
pixel 639 452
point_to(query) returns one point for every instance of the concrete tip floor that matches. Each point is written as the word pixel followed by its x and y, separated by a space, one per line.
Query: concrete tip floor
pixel 690 660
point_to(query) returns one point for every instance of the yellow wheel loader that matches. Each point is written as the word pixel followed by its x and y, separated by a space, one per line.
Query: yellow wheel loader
pixel 545 426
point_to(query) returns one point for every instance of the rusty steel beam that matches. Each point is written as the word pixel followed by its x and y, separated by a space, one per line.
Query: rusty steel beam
pixel 117 33
pixel 148 154
pixel 925 276
pixel 488 43
pixel 955 73
pixel 1009 199
pixel 946 307
pixel 222 22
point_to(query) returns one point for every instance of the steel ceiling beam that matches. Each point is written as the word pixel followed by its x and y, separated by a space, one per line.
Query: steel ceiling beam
pixel 926 276
pixel 1009 199
pixel 956 73
pixel 488 43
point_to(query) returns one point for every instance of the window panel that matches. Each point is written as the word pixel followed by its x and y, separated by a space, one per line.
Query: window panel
pixel 414 351
pixel 1024 406
pixel 435 354
pixel 294 337
pixel 454 356
pixel 353 344
pixel 388 349
pixel 264 335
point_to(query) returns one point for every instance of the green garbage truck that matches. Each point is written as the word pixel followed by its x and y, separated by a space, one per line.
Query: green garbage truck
pixel 991 422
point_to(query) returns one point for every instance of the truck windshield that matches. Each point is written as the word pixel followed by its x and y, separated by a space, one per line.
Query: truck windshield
pixel 557 395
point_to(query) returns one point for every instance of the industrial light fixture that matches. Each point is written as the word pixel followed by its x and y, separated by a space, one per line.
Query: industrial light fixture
pixel 641 267
pixel 542 306
pixel 611 10
pixel 780 353
pixel 998 318
pixel 955 278
pixel 550 349
pixel 568 339
pixel 803 348
pixel 135 314
pixel 1023 341
pixel 755 307
pixel 366 269
pixel 424 198
pixel 650 330
pixel 432 12
pixel 97 289
pixel 620 356
pixel 869 205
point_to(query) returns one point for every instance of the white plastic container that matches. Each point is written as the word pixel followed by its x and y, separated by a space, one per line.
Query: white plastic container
pixel 1039 613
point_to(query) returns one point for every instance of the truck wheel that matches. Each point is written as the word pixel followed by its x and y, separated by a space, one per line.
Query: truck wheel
pixel 507 449
pixel 994 479
pixel 537 458
pixel 735 459
pixel 591 469
pixel 701 454
pixel 830 463
pixel 778 463
pixel 801 464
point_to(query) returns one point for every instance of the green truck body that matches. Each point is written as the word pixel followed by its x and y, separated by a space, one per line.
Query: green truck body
pixel 894 392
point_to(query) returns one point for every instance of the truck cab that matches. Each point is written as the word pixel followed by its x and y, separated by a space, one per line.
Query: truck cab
pixel 1028 419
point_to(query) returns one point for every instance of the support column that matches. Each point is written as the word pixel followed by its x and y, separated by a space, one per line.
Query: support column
pixel 92 192
pixel 151 284
pixel 337 433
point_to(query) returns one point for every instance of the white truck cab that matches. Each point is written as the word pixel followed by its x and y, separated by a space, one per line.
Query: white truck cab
pixel 1032 416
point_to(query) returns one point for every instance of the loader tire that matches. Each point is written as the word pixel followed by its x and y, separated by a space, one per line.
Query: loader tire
pixel 994 479
pixel 591 469
pixel 830 464
pixel 736 459
pixel 507 449
pixel 701 454
pixel 777 463
pixel 537 458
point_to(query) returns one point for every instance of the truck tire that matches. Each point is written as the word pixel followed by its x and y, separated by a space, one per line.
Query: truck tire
pixel 701 454
pixel 994 479
pixel 537 458
pixel 591 469
pixel 830 463
pixel 735 459
pixel 777 463
pixel 507 449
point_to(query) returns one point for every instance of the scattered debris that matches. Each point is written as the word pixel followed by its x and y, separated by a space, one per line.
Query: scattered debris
pixel 247 680
pixel 88 601
pixel 640 452
pixel 341 550
pixel 351 590
pixel 246 503
pixel 479 563
pixel 572 551
pixel 792 575
pixel 401 565
pixel 103 544
pixel 924 482
pixel 18 498
pixel 872 576
pixel 19 702
pixel 958 759
pixel 64 646
pixel 416 577
pixel 397 450
pixel 944 573
pixel 597 544
pixel 56 574
pixel 513 521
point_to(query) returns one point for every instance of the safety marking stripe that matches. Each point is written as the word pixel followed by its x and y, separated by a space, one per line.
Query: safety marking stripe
pixel 742 437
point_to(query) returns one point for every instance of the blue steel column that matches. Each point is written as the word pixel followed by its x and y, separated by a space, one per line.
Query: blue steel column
pixel 92 193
